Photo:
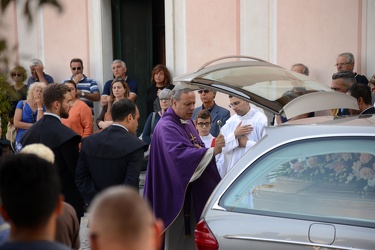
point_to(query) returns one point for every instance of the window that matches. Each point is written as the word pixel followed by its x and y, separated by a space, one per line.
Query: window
pixel 325 177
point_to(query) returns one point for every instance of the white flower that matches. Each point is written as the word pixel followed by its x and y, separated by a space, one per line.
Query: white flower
pixel 350 178
pixel 301 159
pixel 371 182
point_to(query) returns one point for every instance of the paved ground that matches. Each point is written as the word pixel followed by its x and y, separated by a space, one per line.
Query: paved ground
pixel 85 244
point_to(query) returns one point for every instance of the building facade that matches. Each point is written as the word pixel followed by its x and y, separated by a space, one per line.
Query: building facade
pixel 193 32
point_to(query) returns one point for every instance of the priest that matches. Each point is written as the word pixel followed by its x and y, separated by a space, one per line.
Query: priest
pixel 241 132
pixel 181 172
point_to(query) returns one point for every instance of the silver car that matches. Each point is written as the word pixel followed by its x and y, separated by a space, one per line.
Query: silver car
pixel 303 186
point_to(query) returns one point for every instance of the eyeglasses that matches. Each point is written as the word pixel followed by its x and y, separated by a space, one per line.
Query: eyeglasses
pixel 342 64
pixel 203 91
pixel 164 99
pixel 204 124
pixel 231 105
pixel 78 68
pixel 16 74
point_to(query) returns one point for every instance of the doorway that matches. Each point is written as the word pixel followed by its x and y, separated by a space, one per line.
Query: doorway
pixel 139 40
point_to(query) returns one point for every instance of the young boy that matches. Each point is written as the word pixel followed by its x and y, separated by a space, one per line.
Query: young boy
pixel 203 124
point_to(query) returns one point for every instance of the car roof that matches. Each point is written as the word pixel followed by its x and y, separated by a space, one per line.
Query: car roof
pixel 266 85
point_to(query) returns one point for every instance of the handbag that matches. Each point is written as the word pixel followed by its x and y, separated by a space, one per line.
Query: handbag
pixel 11 133
pixel 146 153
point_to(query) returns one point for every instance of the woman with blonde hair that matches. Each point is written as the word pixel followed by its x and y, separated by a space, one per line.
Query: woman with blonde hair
pixel 119 90
pixel 28 111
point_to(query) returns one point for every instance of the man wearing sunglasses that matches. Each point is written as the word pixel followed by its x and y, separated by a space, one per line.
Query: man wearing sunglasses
pixel 345 62
pixel 217 112
pixel 37 74
pixel 87 88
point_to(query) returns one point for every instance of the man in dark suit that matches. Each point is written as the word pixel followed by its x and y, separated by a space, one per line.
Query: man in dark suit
pixel 60 139
pixel 217 112
pixel 362 93
pixel 340 83
pixel 113 156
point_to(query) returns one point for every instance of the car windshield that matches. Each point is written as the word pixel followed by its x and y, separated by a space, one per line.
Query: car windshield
pixel 331 178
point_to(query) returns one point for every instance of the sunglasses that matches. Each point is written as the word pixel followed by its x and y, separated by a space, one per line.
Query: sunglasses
pixel 78 68
pixel 16 74
pixel 203 91
pixel 164 99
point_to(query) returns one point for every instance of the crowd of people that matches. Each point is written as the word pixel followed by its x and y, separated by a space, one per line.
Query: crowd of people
pixel 190 149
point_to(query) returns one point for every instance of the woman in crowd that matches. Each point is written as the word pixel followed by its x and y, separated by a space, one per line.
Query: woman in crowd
pixel 160 79
pixel 17 90
pixel 80 116
pixel 154 117
pixel 119 90
pixel 28 111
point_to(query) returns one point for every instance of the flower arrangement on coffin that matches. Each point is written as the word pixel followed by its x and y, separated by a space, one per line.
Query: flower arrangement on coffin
pixel 350 168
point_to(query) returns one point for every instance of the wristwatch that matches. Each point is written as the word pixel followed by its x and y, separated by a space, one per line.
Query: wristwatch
pixel 82 93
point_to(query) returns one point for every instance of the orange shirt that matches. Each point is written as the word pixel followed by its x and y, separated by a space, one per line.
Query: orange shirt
pixel 80 119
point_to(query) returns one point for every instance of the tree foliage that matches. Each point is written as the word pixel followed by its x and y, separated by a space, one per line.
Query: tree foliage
pixel 26 8
pixel 5 104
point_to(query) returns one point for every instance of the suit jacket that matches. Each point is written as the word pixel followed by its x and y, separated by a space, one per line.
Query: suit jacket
pixel 368 111
pixel 111 157
pixel 217 113
pixel 64 143
pixel 361 78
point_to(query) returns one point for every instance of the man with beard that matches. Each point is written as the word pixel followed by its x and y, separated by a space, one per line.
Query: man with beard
pixel 60 139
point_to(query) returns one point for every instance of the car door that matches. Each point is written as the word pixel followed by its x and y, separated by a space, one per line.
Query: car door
pixel 315 193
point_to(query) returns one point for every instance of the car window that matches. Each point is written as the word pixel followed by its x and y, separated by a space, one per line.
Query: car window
pixel 271 83
pixel 331 178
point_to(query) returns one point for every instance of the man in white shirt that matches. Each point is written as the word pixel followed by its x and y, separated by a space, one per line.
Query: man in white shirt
pixel 240 132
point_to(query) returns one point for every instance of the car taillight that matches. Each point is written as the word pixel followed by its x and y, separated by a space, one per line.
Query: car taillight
pixel 204 239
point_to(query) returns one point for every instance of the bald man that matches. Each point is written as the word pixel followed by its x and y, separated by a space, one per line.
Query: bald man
pixel 121 219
